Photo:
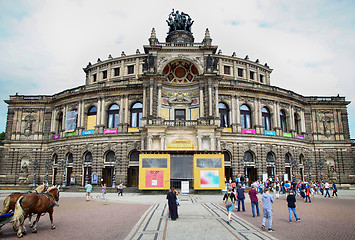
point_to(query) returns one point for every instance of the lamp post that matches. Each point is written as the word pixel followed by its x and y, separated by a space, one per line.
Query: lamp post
pixel 114 172
pixel 293 165
pixel 309 165
pixel 48 163
pixel 35 165
pixel 64 164
pixel 321 165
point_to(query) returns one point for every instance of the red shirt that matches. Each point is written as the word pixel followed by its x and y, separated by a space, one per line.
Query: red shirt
pixel 253 195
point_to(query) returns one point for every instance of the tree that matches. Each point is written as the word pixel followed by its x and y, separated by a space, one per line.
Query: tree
pixel 2 135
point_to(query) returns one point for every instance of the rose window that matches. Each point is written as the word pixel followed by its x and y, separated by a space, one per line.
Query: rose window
pixel 180 72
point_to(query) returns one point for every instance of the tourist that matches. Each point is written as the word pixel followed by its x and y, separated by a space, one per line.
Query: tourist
pixel 308 193
pixel 291 203
pixel 254 199
pixel 287 186
pixel 120 189
pixel 233 186
pixel 277 188
pixel 229 201
pixel 88 188
pixel 173 212
pixel 326 187
pixel 103 190
pixel 267 210
pixel 321 187
pixel 240 197
pixel 335 190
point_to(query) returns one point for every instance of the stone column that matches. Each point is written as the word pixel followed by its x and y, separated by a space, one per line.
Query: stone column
pixel 162 142
pixel 64 117
pixel 126 109
pixel 122 113
pixel 151 100
pixel 82 114
pixel 233 110
pixel 303 123
pixel 159 100
pixel 53 120
pixel 209 99
pixel 144 101
pixel 247 72
pixel 201 103
pixel 79 115
pixel 235 70
pixel 199 142
pixel 98 113
pixel 292 119
pixel 237 107
pixel 216 102
pixel 102 111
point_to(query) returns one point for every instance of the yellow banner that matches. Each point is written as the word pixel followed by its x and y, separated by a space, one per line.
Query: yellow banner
pixel 91 122
pixel 154 171
pixel 208 171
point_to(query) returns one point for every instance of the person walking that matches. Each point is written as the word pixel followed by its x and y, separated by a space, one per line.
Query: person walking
pixel 308 193
pixel 321 187
pixel 253 195
pixel 335 190
pixel 88 188
pixel 120 189
pixel 173 212
pixel 267 210
pixel 277 188
pixel 240 197
pixel 229 201
pixel 103 190
pixel 291 204
pixel 326 187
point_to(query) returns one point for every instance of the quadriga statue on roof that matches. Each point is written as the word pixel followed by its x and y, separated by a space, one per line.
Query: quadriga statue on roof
pixel 179 21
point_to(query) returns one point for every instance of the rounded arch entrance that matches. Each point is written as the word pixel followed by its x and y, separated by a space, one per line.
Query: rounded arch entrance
pixel 133 169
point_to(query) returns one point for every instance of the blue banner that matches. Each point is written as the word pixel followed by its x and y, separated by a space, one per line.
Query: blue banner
pixel 88 132
pixel 270 133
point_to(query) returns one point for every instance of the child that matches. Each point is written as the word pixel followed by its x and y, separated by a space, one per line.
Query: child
pixel 307 194
pixel 267 210
pixel 291 203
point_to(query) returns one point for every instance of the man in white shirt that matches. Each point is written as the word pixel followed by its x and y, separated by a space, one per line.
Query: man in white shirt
pixel 326 187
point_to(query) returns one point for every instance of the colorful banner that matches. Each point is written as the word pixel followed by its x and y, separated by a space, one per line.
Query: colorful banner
pixel 91 122
pixel 154 179
pixel 69 134
pixel 229 130
pixel 300 137
pixel 88 132
pixel 110 130
pixel 248 131
pixel 133 129
pixel 287 135
pixel 270 133
pixel 209 179
pixel 56 136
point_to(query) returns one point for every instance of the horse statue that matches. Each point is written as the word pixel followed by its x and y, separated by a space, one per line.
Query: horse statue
pixel 34 203
pixel 10 202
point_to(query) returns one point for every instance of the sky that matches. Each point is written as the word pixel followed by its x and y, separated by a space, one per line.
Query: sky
pixel 310 45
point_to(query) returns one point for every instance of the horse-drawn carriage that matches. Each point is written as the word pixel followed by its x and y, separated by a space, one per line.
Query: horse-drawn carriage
pixel 19 206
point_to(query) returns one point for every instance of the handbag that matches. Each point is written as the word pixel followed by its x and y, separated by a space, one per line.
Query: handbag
pixel 178 203
pixel 229 201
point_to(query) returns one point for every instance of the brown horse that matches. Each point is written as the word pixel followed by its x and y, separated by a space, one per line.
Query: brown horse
pixel 34 203
pixel 10 201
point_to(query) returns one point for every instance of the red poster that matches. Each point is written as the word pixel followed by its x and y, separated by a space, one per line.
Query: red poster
pixel 154 179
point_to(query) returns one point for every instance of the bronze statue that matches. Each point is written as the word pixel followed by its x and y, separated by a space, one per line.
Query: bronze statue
pixel 179 21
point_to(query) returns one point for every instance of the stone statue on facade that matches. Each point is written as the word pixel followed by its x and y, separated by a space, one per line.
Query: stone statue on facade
pixel 23 176
pixel 179 21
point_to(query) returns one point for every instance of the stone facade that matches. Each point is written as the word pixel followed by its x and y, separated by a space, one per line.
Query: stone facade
pixel 175 90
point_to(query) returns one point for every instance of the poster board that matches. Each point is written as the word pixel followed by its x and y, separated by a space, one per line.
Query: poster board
pixel 184 186
pixel 154 171
pixel 209 171
pixel 264 177
pixel 71 121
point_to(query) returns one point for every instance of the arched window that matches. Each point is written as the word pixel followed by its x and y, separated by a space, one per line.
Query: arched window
pixel 297 123
pixel 227 157
pixel 136 114
pixel 70 158
pixel 287 158
pixel 88 157
pixel 113 116
pixel 248 157
pixel 283 121
pixel 60 122
pixel 270 157
pixel 110 157
pixel 266 118
pixel 134 156
pixel 224 114
pixel 55 159
pixel 245 116
pixel 91 120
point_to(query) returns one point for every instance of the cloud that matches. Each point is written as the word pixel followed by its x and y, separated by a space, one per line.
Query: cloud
pixel 45 44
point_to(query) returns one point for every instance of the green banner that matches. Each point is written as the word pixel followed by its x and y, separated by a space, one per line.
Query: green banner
pixel 69 134
pixel 287 135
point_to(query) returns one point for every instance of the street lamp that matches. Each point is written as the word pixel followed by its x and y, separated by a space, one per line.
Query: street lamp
pixel 309 165
pixel 321 165
pixel 64 164
pixel 114 172
pixel 35 165
pixel 293 165
pixel 48 163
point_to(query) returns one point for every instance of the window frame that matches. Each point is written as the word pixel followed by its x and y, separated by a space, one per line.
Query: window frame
pixel 223 115
pixel 245 114
pixel 113 113
pixel 139 114
pixel 266 118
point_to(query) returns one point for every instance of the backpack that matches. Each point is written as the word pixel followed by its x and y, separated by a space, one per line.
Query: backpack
pixel 229 201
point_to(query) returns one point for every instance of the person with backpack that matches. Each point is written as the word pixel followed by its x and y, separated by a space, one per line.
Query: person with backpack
pixel 229 201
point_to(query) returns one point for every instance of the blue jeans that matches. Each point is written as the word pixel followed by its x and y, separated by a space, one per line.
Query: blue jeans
pixel 327 192
pixel 307 197
pixel 267 216
pixel 256 204
pixel 290 210
pixel 243 207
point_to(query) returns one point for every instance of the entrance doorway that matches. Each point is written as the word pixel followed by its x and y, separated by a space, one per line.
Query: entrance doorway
pixel 132 176
pixel 270 172
pixel 228 173
pixel 251 175
pixel 69 172
pixel 288 172
pixel 301 174
pixel 107 174
pixel 89 171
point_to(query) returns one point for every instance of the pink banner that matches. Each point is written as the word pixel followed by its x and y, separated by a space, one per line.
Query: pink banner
pixel 110 130
pixel 154 179
pixel 56 136
pixel 300 137
pixel 249 131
